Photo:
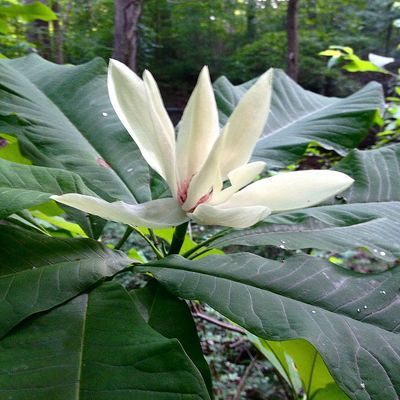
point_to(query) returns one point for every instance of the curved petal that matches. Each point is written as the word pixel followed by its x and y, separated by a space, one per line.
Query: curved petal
pixel 235 217
pixel 239 178
pixel 246 124
pixel 139 107
pixel 292 190
pixel 159 213
pixel 198 129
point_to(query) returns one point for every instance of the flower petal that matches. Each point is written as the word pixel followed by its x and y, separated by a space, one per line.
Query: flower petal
pixel 198 129
pixel 292 190
pixel 246 124
pixel 239 178
pixel 139 107
pixel 235 217
pixel 159 213
pixel 209 177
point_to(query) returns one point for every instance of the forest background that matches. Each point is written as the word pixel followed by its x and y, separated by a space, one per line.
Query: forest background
pixel 236 38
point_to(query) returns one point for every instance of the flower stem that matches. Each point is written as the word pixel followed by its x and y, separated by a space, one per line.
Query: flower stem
pixel 178 238
pixel 156 251
pixel 124 238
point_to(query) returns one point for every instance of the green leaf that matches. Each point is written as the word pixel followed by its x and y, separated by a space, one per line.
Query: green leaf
pixel 9 150
pixel 172 318
pixel 38 272
pixel 298 117
pixel 28 12
pixel 351 319
pixel 96 347
pixel 370 218
pixel 300 360
pixel 63 118
pixel 24 186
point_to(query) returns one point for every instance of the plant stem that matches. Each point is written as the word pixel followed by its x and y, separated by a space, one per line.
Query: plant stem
pixel 124 238
pixel 178 238
pixel 217 322
pixel 242 382
pixel 156 251
pixel 205 243
pixel 156 242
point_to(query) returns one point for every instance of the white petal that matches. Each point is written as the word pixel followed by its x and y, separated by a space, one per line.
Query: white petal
pixel 209 177
pixel 140 109
pixel 234 146
pixel 159 213
pixel 236 217
pixel 238 178
pixel 198 129
pixel 246 124
pixel 292 190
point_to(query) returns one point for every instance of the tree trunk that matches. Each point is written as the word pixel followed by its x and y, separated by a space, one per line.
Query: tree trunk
pixel 251 30
pixel 58 35
pixel 293 40
pixel 38 34
pixel 127 15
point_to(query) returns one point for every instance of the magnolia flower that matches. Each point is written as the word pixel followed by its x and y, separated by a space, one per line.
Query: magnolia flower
pixel 208 171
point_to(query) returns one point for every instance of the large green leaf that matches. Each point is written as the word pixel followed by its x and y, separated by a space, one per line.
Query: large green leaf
pixel 63 118
pixel 370 218
pixel 24 186
pixel 352 319
pixel 301 365
pixel 96 347
pixel 172 318
pixel 298 117
pixel 38 272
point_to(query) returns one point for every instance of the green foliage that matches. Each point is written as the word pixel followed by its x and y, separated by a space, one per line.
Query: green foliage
pixel 338 124
pixel 338 311
pixel 13 19
pixel 79 130
pixel 301 366
pixel 369 207
pixel 104 328
pixel 59 314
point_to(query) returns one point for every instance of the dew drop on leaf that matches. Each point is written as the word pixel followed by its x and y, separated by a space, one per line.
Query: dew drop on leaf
pixel 382 291
pixel 362 385
pixel 382 253
pixel 104 114
pixel 358 309
pixel 365 307
pixel 313 311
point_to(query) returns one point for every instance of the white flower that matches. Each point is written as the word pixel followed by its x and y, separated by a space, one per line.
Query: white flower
pixel 201 159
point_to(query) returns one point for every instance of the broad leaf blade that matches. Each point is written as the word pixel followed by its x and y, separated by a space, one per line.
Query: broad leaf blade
pixel 370 217
pixel 96 347
pixel 24 186
pixel 63 118
pixel 38 272
pixel 298 117
pixel 172 318
pixel 352 319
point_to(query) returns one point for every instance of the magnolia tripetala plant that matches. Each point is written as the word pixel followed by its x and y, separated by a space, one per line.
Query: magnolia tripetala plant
pixel 207 169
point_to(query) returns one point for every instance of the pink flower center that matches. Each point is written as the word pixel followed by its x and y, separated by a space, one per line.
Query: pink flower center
pixel 182 194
